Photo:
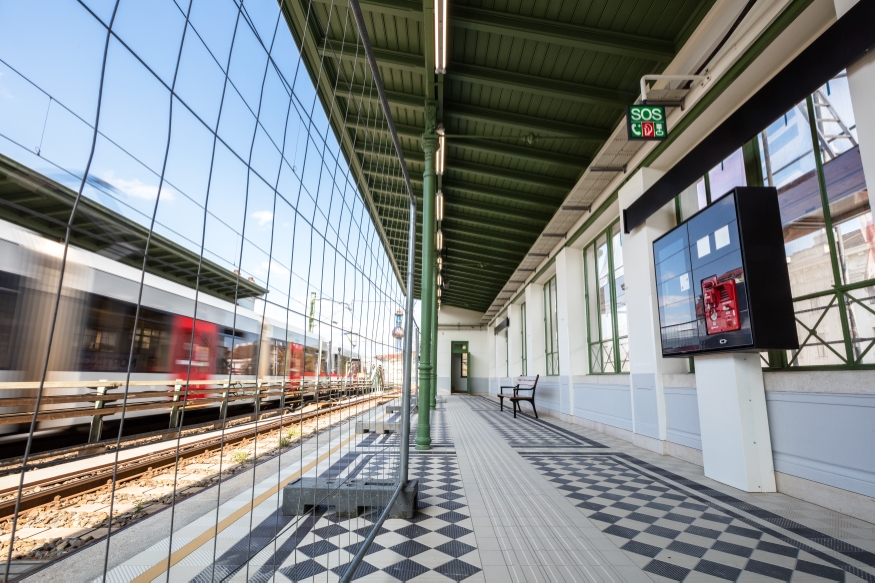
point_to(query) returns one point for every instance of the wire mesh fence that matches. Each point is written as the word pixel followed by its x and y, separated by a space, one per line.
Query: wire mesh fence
pixel 196 292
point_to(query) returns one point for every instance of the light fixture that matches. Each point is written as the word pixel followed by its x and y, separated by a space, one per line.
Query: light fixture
pixel 440 36
pixel 440 280
pixel 440 262
pixel 439 205
pixel 440 240
pixel 438 292
pixel 441 153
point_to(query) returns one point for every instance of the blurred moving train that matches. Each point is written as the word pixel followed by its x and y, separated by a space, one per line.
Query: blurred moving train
pixel 95 326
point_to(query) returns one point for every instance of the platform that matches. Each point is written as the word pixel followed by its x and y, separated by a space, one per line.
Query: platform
pixel 502 499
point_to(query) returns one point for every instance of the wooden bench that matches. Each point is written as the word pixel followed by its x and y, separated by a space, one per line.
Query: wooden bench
pixel 522 384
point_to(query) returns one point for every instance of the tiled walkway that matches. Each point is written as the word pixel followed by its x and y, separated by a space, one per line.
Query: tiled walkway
pixel 517 500
pixel 668 521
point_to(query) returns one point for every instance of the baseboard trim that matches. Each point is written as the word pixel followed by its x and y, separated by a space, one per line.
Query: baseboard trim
pixel 844 501
pixel 676 450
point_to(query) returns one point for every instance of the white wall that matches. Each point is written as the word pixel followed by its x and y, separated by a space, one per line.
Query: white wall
pixel 480 358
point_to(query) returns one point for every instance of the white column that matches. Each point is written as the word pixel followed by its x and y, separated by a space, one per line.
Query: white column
pixel 490 354
pixel 501 356
pixel 861 82
pixel 645 348
pixel 736 444
pixel 570 304
pixel 537 362
pixel 514 338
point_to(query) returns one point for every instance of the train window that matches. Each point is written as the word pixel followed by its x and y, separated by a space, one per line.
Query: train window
pixel 238 352
pixel 277 365
pixel 8 299
pixel 107 338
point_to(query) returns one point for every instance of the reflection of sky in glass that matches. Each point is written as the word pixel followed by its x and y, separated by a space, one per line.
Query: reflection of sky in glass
pixel 251 154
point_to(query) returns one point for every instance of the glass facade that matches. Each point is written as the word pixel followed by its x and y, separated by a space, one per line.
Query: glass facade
pixel 551 328
pixel 605 291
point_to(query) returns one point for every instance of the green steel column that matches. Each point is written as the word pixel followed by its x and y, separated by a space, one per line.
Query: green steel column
pixel 434 334
pixel 426 363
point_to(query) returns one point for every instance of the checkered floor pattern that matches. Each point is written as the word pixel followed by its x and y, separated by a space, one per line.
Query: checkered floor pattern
pixel 436 545
pixel 528 432
pixel 676 534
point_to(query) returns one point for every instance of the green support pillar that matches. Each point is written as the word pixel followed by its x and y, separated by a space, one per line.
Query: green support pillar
pixel 429 291
pixel 434 336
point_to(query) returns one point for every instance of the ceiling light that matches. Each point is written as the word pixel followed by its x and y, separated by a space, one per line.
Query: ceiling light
pixel 440 280
pixel 438 292
pixel 439 205
pixel 441 153
pixel 440 36
pixel 440 240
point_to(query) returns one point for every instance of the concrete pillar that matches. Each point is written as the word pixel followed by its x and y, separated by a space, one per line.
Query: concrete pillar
pixel 645 348
pixel 861 82
pixel 571 306
pixel 736 443
pixel 501 356
pixel 535 329
pixel 514 339
pixel 493 367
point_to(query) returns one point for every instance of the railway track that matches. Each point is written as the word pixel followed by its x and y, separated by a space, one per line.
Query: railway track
pixel 53 489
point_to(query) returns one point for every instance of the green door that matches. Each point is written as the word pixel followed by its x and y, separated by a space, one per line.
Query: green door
pixel 461 348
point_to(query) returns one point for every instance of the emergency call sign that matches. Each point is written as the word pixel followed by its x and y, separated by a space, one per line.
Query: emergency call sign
pixel 646 122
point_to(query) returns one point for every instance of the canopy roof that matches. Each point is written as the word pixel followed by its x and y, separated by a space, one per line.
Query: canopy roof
pixel 532 91
pixel 31 200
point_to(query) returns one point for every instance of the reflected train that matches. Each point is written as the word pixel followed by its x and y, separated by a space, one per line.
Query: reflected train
pixel 95 324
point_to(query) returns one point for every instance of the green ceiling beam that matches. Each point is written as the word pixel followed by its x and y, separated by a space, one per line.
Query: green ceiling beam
pixel 570 35
pixel 404 131
pixel 406 8
pixel 455 234
pixel 454 206
pixel 547 203
pixel 543 86
pixel 484 254
pixel 522 152
pixel 531 178
pixel 409 155
pixel 385 57
pixel 360 92
pixel 527 123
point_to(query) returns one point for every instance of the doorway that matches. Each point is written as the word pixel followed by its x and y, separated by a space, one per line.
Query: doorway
pixel 460 368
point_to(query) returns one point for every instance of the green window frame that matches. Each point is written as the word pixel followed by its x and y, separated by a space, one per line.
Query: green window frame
pixel 551 328
pixel 830 321
pixel 605 296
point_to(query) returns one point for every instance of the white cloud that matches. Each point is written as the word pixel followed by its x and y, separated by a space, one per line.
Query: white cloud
pixel 263 217
pixel 135 188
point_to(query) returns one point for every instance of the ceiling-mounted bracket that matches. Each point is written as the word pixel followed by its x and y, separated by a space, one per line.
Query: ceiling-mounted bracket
pixel 646 78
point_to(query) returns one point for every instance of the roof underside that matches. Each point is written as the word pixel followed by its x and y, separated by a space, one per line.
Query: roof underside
pixel 532 91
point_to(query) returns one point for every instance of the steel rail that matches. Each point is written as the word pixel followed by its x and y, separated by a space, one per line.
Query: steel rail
pixel 89 480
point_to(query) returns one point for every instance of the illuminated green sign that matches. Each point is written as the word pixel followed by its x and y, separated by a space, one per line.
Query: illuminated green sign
pixel 646 122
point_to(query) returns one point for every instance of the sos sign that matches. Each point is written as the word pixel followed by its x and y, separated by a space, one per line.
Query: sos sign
pixel 646 122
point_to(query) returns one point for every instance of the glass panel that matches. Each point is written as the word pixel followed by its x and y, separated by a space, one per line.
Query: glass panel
pixel 728 175
pixel 619 280
pixel 819 328
pixel 861 321
pixel 153 30
pixel 692 200
pixel 788 164
pixel 606 320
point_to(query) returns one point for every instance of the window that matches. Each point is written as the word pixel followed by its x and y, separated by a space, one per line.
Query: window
pixel 607 325
pixel 524 364
pixel 551 328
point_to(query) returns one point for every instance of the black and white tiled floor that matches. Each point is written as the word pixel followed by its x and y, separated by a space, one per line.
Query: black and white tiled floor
pixel 674 532
pixel 438 544
pixel 682 529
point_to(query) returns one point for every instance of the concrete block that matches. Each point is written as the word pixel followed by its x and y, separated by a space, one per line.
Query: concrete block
pixel 377 426
pixel 348 497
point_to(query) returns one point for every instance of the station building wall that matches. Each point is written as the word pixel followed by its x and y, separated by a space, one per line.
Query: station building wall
pixel 820 407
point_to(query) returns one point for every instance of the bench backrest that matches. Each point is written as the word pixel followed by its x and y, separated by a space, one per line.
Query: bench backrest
pixel 528 382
